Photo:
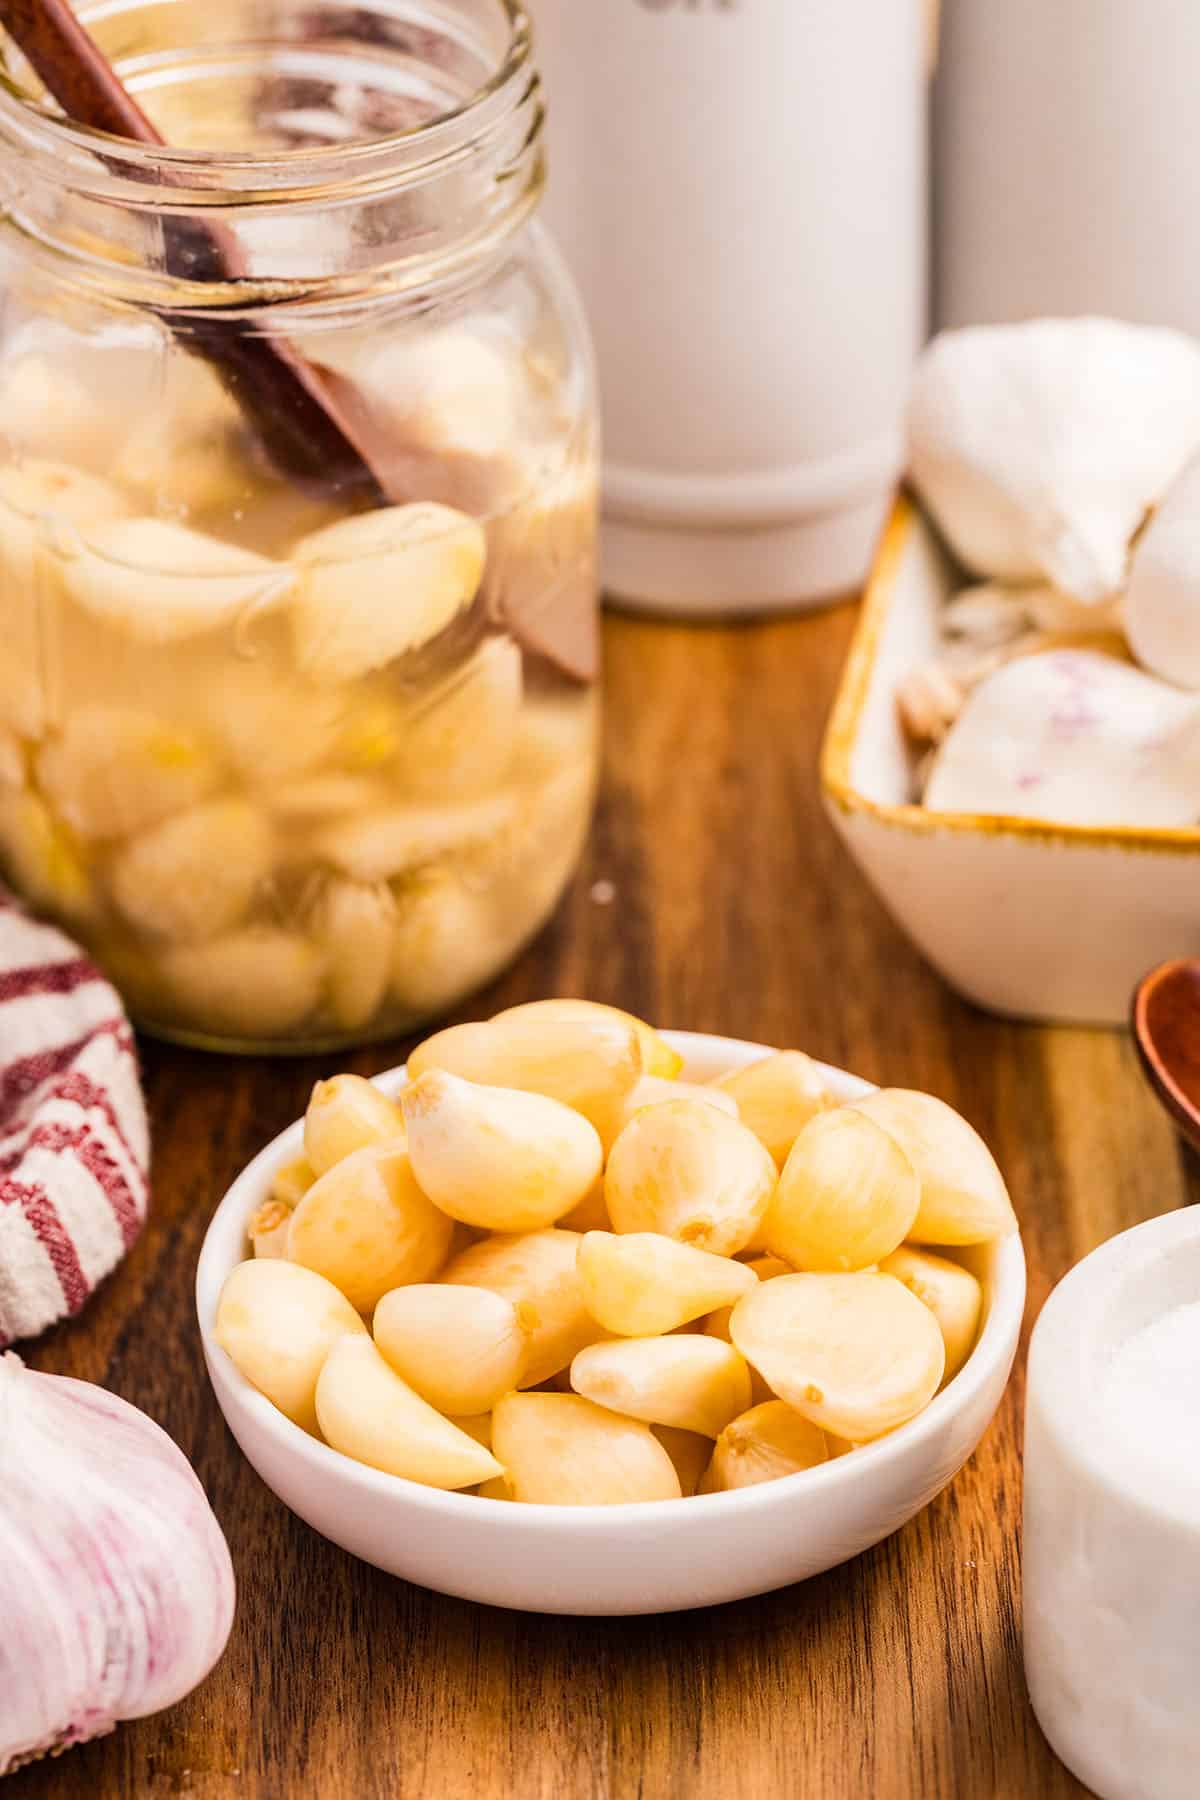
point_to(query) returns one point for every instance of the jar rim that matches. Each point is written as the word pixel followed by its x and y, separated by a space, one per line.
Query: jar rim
pixel 123 167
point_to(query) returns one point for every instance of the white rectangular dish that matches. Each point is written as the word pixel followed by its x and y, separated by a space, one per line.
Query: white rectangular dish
pixel 1026 917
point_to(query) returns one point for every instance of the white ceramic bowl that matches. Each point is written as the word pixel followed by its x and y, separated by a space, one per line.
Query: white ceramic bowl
pixel 1027 917
pixel 662 1557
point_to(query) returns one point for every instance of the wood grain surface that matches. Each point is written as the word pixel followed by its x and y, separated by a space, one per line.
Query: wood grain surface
pixel 714 897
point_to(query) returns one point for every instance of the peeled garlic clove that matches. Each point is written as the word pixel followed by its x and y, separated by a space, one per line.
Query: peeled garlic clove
pixel 1076 737
pixel 694 1383
pixel 588 1061
pixel 112 771
pixel 643 1285
pixel 116 1588
pixel 858 1355
pixel 1039 447
pixel 354 924
pixel 41 858
pixel 538 1272
pixel 951 1293
pixel 195 875
pixel 848 1195
pixel 765 1444
pixel 458 740
pixel 498 1158
pixel 344 1114
pixel 1162 603
pixel 367 1226
pixel 377 585
pixel 560 1450
pixel 254 984
pixel 690 1173
pixel 658 1058
pixel 776 1097
pixel 690 1453
pixel 268 1228
pixel 763 1268
pixel 963 1196
pixel 277 1322
pixel 292 1181
pixel 366 1411
pixel 162 583
pixel 379 846
pixel 654 1090
pixel 459 1347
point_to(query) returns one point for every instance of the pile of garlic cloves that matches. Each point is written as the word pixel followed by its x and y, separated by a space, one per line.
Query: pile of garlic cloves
pixel 1060 461
pixel 116 1587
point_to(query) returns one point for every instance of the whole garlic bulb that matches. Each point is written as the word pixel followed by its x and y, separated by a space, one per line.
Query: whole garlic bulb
pixel 116 1588
pixel 1039 447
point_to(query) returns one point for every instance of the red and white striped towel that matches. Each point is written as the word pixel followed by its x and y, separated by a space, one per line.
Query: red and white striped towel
pixel 74 1145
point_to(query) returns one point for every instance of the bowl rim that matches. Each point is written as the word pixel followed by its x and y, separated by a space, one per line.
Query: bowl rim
pixel 906 519
pixel 995 1347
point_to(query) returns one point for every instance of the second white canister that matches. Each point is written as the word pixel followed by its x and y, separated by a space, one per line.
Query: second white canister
pixel 740 188
pixel 1067 174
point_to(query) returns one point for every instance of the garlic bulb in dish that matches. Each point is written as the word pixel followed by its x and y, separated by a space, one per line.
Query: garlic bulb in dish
pixel 1039 447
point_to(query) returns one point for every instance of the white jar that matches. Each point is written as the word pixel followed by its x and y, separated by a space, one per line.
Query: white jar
pixel 740 188
pixel 1067 178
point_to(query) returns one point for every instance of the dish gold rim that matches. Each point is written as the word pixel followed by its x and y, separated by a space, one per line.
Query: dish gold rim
pixel 846 718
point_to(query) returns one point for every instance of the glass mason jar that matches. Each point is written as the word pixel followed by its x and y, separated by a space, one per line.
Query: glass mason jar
pixel 298 739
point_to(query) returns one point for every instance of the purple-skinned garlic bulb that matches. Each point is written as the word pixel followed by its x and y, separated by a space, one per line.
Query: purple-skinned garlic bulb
pixel 116 1588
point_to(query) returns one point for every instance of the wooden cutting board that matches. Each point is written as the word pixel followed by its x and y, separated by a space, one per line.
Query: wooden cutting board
pixel 715 898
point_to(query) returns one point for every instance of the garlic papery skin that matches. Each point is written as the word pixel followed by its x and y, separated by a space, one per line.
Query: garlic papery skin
pixel 1162 601
pixel 1039 447
pixel 116 1588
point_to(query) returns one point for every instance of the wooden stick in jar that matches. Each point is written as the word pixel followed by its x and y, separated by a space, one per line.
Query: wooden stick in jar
pixel 299 422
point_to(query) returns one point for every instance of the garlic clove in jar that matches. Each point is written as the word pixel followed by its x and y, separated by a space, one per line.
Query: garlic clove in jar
pixel 354 923
pixel 41 858
pixel 1075 737
pixel 116 1588
pixel 459 738
pixel 162 583
pixel 1039 447
pixel 114 770
pixel 1162 603
pixel 379 846
pixel 377 585
pixel 195 875
pixel 255 983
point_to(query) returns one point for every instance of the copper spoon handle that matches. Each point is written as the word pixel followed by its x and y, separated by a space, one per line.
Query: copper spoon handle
pixel 306 433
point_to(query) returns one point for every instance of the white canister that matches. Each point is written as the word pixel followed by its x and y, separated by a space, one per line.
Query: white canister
pixel 1112 1514
pixel 740 188
pixel 1066 169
